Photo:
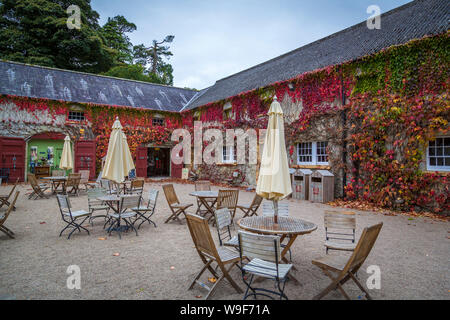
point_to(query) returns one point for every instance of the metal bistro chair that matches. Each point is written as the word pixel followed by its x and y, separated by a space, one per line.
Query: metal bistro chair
pixel 84 180
pixel 144 213
pixel 264 252
pixel 251 210
pixel 69 217
pixel 97 205
pixel 339 231
pixel 341 268
pixel 283 211
pixel 125 214
pixel 209 254
pixel 223 224
pixel 4 216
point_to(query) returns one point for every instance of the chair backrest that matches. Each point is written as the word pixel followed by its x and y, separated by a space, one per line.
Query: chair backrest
pixel 13 188
pixel 84 176
pixel 202 185
pixel 152 198
pixel 344 223
pixel 283 209
pixel 58 173
pixel 93 195
pixel 201 235
pixel 99 177
pixel 10 208
pixel 264 247
pixel 73 179
pixel 64 204
pixel 170 194
pixel 127 202
pixel 363 248
pixel 138 183
pixel 227 199
pixel 105 184
pixel 224 221
pixel 256 201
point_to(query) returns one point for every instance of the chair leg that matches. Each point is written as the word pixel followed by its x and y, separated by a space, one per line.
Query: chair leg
pixel 7 231
pixel 360 286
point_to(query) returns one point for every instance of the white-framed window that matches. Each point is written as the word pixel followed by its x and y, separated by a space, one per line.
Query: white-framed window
pixel 438 154
pixel 227 111
pixel 312 153
pixel 76 116
pixel 228 155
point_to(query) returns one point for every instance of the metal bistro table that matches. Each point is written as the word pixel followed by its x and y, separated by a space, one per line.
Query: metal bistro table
pixel 113 201
pixel 57 181
pixel 204 196
pixel 287 227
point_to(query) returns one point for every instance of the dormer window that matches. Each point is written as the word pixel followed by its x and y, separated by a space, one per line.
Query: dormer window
pixel 76 116
pixel 227 111
pixel 158 122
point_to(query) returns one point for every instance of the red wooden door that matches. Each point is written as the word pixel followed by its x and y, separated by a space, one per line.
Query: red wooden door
pixel 12 156
pixel 141 162
pixel 176 169
pixel 85 157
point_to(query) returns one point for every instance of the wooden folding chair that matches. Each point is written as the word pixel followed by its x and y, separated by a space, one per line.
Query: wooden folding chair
pixel 136 187
pixel 5 198
pixel 73 182
pixel 175 206
pixel 203 185
pixel 38 189
pixel 209 254
pixel 84 180
pixel 339 230
pixel 340 269
pixel 251 210
pixel 5 215
pixel 228 199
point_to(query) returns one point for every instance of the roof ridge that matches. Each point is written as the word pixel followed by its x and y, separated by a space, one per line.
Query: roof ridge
pixel 94 75
pixel 322 39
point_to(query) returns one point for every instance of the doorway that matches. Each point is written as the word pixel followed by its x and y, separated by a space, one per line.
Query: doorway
pixel 158 162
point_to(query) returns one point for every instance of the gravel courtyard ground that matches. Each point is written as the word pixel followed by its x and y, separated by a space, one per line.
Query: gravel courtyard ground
pixel 413 255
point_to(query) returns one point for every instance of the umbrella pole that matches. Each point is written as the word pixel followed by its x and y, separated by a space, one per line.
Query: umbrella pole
pixel 275 211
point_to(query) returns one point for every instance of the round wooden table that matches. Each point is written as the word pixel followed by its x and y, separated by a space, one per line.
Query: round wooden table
pixel 287 227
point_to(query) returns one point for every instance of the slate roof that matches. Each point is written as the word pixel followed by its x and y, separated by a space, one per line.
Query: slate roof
pixel 413 20
pixel 55 84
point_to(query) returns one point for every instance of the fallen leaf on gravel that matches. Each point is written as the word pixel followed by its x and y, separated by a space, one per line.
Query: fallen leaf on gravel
pixel 172 268
pixel 116 254
pixel 212 280
pixel 198 297
pixel 43 222
pixel 101 238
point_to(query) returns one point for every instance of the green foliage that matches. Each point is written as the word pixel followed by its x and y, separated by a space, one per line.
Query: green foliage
pixel 35 31
pixel 134 72
pixel 114 31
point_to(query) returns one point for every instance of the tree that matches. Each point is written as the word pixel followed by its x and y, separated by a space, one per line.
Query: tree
pixel 36 32
pixel 114 31
pixel 132 71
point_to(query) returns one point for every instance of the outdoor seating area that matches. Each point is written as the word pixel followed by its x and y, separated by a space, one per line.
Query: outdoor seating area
pixel 166 261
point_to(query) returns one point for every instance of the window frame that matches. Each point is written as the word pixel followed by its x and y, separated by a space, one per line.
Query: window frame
pixel 232 157
pixel 158 119
pixel 314 154
pixel 443 168
pixel 80 116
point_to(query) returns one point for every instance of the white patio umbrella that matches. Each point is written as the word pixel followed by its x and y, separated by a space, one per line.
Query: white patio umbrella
pixel 66 162
pixel 274 181
pixel 119 161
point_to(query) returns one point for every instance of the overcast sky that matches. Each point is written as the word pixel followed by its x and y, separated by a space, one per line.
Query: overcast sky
pixel 215 39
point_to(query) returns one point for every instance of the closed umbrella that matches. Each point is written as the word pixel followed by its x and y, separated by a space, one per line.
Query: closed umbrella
pixel 274 182
pixel 119 161
pixel 66 162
